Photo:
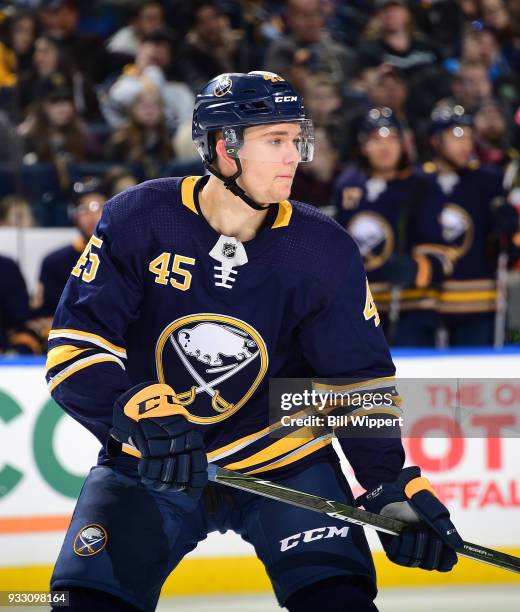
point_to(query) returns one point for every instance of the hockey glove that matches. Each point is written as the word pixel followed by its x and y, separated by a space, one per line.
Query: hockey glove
pixel 430 540
pixel 149 417
pixel 400 269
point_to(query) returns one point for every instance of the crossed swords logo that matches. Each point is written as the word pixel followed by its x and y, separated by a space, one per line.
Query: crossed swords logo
pixel 89 538
pixel 218 403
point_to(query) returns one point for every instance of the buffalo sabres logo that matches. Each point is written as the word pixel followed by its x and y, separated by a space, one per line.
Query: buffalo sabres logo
pixel 374 237
pixel 223 86
pixel 457 228
pixel 214 363
pixel 90 540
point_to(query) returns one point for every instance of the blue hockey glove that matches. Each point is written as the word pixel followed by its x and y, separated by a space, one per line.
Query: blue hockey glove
pixel 400 269
pixel 149 417
pixel 430 540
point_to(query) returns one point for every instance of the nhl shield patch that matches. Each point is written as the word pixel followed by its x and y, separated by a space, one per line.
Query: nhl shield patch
pixel 90 540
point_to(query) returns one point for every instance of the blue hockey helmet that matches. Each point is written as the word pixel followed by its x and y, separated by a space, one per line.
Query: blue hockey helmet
pixel 234 101
pixel 380 119
pixel 447 115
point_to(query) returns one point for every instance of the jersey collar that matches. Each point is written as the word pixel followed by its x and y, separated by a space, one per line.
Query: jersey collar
pixel 276 218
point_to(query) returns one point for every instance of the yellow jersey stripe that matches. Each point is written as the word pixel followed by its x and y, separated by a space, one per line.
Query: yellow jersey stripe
pixel 187 190
pixel 463 296
pixel 305 450
pixel 60 354
pixel 284 214
pixel 80 365
pixel 362 384
pixel 406 294
pixel 280 447
pixel 78 334
pixel 233 447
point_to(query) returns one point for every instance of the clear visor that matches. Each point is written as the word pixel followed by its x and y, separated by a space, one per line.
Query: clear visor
pixel 276 142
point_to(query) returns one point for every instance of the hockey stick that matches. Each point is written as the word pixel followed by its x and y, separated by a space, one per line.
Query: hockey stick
pixel 347 513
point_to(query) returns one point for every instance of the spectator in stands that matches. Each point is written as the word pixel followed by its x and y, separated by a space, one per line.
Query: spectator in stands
pixel 308 46
pixel 17 48
pixel 54 131
pixel 15 337
pixel 85 52
pixel 88 199
pixel 145 138
pixel 147 17
pixel 149 70
pixel 117 179
pixel 472 85
pixel 325 104
pixel 314 181
pixel 210 47
pixel 23 31
pixel 50 57
pixel 15 211
pixel 442 21
pixel 392 40
pixel 492 128
pixel 47 59
pixel 9 151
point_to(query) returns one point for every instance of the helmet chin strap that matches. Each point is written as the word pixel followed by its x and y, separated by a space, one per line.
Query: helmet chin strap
pixel 230 182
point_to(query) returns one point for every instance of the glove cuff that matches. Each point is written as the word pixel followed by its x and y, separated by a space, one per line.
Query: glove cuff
pixel 152 401
pixel 407 484
pixel 418 484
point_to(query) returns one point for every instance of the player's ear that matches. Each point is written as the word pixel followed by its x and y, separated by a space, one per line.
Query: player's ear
pixel 225 163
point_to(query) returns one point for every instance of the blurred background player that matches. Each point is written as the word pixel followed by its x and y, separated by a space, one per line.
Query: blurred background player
pixel 88 199
pixel 385 205
pixel 15 335
pixel 475 222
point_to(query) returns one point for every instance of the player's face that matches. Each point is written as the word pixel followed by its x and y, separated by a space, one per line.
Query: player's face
pixel 88 213
pixel 383 149
pixel 269 158
pixel 457 145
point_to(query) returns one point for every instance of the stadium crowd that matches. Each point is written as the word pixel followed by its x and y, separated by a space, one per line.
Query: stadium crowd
pixel 416 108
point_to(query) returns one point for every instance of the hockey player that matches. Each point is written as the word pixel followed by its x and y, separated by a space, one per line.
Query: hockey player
pixel 85 211
pixel 16 336
pixel 386 206
pixel 191 294
pixel 474 218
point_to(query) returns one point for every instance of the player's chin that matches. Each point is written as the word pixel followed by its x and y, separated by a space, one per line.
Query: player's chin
pixel 281 189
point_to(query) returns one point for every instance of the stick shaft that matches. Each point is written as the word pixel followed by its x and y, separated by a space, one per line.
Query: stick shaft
pixel 347 513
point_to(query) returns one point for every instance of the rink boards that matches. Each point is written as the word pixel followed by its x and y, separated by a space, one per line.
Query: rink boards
pixel 45 455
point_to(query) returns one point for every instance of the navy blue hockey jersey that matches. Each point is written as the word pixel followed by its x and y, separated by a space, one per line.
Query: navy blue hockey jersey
pixel 466 199
pixel 14 311
pixel 158 294
pixel 399 215
pixel 54 273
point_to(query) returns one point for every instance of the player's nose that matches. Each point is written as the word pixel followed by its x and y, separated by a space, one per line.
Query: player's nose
pixel 291 154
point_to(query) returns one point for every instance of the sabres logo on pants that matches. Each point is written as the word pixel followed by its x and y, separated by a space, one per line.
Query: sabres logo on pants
pixel 90 540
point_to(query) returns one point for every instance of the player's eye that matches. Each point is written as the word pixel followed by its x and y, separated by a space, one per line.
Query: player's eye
pixel 276 141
